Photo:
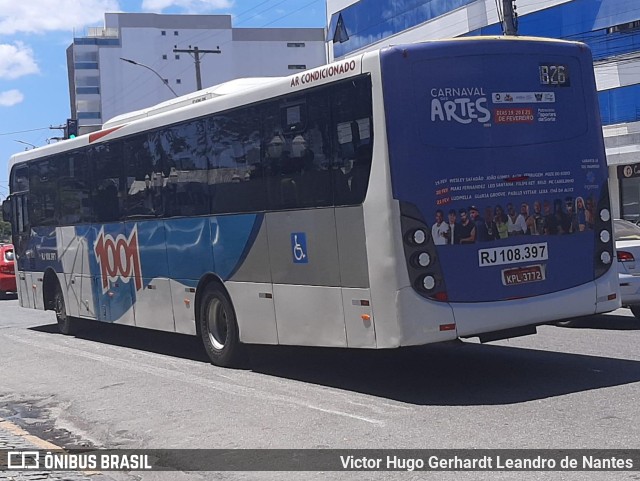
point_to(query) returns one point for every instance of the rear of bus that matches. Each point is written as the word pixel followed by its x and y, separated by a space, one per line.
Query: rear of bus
pixel 478 129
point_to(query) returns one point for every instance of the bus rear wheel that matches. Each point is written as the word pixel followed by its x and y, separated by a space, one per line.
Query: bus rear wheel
pixel 65 322
pixel 219 329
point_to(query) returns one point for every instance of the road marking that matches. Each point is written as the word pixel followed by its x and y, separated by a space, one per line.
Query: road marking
pixel 18 431
pixel 35 440
pixel 221 386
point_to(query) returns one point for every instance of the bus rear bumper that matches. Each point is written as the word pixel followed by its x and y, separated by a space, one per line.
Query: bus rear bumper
pixel 423 322
pixel 473 319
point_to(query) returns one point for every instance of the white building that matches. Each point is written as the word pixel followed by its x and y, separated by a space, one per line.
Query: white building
pixel 610 27
pixel 102 85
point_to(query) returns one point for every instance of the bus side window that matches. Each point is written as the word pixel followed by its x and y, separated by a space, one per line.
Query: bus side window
pixel 235 173
pixel 312 149
pixel 107 181
pixel 180 155
pixel 44 202
pixel 145 180
pixel 74 188
pixel 353 135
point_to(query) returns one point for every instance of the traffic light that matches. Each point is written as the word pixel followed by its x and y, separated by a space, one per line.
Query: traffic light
pixel 71 131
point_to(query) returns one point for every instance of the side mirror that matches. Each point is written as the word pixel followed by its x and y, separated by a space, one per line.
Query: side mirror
pixel 6 209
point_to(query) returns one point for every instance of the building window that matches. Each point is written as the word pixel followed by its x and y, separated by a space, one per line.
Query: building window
pixel 177 56
pixel 297 67
pixel 88 81
pixel 86 65
pixel 86 56
pixel 87 90
pixel 625 27
pixel 295 44
pixel 163 32
pixel 175 33
pixel 166 80
pixel 164 57
pixel 178 81
pixel 88 115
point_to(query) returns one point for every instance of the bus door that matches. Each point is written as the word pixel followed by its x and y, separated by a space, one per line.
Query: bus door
pixel 24 256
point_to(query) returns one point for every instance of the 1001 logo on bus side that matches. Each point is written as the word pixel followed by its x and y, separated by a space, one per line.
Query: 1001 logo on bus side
pixel 118 257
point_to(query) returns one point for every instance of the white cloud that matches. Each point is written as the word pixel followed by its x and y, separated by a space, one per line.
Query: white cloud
pixel 10 97
pixel 189 6
pixel 16 60
pixel 39 16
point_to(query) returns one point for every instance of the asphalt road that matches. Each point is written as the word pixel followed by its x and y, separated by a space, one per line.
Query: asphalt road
pixel 121 387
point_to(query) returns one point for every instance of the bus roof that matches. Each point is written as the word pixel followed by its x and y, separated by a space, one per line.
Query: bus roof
pixel 230 94
pixel 235 86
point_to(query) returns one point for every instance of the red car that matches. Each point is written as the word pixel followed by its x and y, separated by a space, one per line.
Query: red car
pixel 7 270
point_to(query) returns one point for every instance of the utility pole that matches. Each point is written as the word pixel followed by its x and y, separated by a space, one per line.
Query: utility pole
pixel 510 21
pixel 195 52
pixel 58 127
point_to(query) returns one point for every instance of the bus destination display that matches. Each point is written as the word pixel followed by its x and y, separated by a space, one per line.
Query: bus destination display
pixel 554 75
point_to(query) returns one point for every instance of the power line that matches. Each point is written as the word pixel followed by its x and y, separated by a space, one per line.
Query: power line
pixel 291 13
pixel 24 131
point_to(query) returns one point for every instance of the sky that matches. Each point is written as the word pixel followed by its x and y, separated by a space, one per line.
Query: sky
pixel 34 36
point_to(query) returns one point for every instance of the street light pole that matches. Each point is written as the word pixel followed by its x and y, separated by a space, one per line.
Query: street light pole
pixel 133 62
pixel 25 143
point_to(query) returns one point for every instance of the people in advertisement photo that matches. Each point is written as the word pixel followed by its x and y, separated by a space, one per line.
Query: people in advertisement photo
pixel 440 230
pixel 467 228
pixel 589 215
pixel 516 225
pixel 548 217
pixel 501 222
pixel 454 233
pixel 486 228
pixel 581 214
pixel 538 219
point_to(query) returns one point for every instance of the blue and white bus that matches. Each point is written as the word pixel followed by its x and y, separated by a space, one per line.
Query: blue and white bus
pixel 411 195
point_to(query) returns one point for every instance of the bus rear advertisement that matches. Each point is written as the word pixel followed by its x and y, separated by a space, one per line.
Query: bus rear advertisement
pixel 415 194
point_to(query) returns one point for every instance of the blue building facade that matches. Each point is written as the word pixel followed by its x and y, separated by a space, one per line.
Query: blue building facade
pixel 610 27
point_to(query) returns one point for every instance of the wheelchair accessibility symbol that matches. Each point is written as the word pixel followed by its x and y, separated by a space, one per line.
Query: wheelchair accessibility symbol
pixel 299 248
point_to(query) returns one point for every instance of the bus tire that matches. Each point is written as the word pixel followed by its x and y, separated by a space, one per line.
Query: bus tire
pixel 66 323
pixel 219 329
pixel 635 311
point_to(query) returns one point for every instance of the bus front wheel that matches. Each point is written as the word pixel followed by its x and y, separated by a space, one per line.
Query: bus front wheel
pixel 219 329
pixel 65 322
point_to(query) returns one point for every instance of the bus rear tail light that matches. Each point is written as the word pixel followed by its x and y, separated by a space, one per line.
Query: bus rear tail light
pixel 602 231
pixel 624 256
pixel 605 257
pixel 441 296
pixel 418 237
pixel 421 256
